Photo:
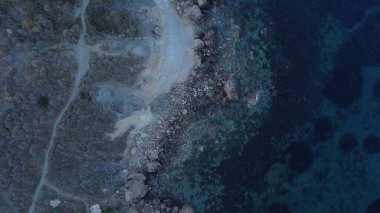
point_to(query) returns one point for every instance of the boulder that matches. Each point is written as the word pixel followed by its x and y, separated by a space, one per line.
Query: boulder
pixel 186 209
pixel 231 87
pixel 152 166
pixel 135 188
pixel 193 13
pixel 202 3
pixel 95 208
pixel 174 210
pixel 54 203
pixel 197 44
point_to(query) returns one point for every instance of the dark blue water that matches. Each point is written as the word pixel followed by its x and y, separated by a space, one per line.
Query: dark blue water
pixel 319 148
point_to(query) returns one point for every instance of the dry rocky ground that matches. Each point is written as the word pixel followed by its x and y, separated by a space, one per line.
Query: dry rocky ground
pixel 46 87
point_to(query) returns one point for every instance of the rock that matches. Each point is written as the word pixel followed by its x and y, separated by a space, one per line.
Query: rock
pixel 197 44
pixel 209 38
pixel 4 107
pixel 54 203
pixel 95 208
pixel 231 87
pixel 199 32
pixel 21 32
pixel 162 206
pixel 153 155
pixel 132 210
pixel 202 3
pixel 133 151
pixel 135 188
pixel 197 61
pixel 174 210
pixel 186 209
pixel 152 167
pixel 157 31
pixel 193 13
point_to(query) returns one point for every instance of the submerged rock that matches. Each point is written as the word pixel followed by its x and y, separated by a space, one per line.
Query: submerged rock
pixel 186 209
pixel 174 210
pixel 231 87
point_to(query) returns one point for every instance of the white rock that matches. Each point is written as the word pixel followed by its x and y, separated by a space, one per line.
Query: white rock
pixel 197 44
pixel 133 151
pixel 193 13
pixel 202 3
pixel 95 208
pixel 54 203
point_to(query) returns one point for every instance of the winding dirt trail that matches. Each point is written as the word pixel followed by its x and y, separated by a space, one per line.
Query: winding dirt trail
pixel 82 58
pixel 170 63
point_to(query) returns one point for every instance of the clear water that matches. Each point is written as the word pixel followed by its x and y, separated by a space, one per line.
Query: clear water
pixel 317 149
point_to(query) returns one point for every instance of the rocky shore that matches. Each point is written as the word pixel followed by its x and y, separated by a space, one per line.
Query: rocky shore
pixel 82 160
pixel 207 85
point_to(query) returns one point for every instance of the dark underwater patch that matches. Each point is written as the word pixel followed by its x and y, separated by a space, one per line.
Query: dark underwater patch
pixel 349 12
pixel 301 157
pixel 376 89
pixel 362 49
pixel 373 207
pixel 323 128
pixel 295 31
pixel 346 85
pixel 347 143
pixel 371 144
pixel 278 208
pixel 368 36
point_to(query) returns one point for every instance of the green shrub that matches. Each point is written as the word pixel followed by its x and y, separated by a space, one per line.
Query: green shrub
pixel 43 101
